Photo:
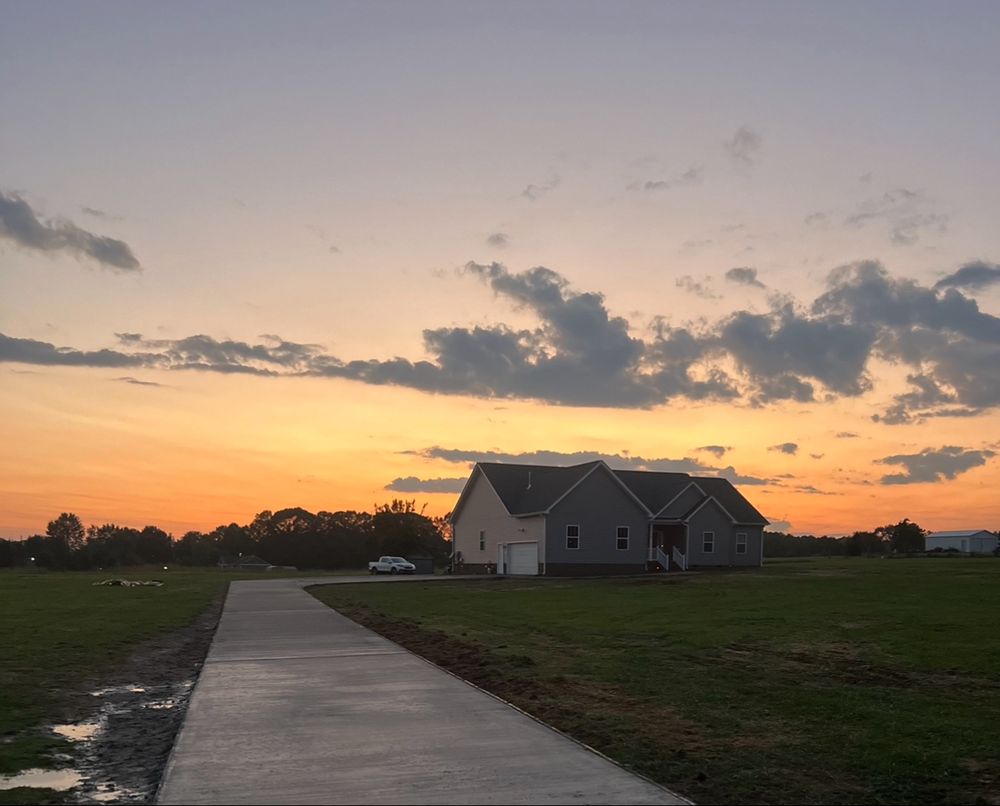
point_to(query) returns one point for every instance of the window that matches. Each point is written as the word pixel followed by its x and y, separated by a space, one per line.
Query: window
pixel 741 542
pixel 572 536
pixel 482 540
pixel 708 542
pixel 622 539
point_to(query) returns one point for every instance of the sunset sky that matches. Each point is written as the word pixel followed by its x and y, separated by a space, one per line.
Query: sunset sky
pixel 258 255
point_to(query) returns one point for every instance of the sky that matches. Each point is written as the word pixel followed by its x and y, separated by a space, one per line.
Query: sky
pixel 255 255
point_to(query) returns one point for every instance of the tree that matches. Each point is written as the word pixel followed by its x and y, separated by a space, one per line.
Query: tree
pixel 903 537
pixel 68 529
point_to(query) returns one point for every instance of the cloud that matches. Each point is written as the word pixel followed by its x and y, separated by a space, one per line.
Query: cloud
pixel 906 215
pixel 411 484
pixel 790 448
pixel 499 240
pixel 535 192
pixel 934 465
pixel 744 275
pixel 848 435
pixel 816 219
pixel 975 276
pixel 717 450
pixel 95 213
pixel 136 381
pixel 20 224
pixel 691 176
pixel 615 460
pixel 692 286
pixel 579 353
pixel 744 146
pixel 778 525
pixel 817 455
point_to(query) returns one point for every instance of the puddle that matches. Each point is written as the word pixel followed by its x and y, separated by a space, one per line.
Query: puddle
pixel 78 733
pixel 106 692
pixel 42 779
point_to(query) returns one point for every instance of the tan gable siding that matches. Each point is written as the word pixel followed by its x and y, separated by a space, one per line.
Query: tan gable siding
pixel 483 510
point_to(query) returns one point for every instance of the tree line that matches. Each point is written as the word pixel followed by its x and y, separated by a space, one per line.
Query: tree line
pixel 293 537
pixel 904 537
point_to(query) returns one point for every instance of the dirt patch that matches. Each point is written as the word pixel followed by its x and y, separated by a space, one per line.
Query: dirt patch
pixel 645 735
pixel 123 724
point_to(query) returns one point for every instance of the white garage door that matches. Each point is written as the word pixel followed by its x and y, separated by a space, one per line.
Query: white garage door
pixel 523 558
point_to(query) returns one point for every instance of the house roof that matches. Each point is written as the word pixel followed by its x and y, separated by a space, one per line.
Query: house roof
pixel 964 533
pixel 525 489
pixel 252 559
pixel 531 489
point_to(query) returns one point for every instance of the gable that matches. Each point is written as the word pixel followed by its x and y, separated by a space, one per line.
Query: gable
pixel 683 502
pixel 601 490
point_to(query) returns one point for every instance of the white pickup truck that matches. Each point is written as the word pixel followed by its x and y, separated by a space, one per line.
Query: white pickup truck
pixel 391 565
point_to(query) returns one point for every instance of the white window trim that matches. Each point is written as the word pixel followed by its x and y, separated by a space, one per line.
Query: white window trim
pixel 741 546
pixel 704 541
pixel 627 538
pixel 576 537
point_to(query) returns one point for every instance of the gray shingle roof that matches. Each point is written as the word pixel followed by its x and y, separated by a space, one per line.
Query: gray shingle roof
pixel 655 490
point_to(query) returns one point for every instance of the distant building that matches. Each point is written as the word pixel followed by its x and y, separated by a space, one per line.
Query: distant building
pixel 970 541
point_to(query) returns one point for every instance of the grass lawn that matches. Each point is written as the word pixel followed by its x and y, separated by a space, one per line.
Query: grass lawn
pixel 58 631
pixel 809 681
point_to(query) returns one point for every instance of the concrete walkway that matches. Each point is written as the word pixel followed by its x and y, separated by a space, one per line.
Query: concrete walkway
pixel 298 704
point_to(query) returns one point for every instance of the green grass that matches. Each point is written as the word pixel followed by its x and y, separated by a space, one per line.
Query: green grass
pixel 58 631
pixel 819 681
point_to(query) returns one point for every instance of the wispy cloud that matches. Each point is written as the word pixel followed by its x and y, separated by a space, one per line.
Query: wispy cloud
pixel 975 276
pixel 700 288
pixel 934 464
pixel 744 146
pixel 498 240
pixel 20 224
pixel 535 192
pixel 744 275
pixel 790 448
pixel 692 176
pixel 412 484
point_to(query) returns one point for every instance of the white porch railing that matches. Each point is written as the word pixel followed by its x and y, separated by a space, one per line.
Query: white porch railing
pixel 680 559
pixel 663 559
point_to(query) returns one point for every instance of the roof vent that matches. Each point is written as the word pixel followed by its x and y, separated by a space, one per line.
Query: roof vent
pixel 529 481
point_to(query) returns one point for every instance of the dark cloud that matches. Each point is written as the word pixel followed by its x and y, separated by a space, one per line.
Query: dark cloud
pixel 499 240
pixel 744 146
pixel 411 484
pixel 744 275
pixel 20 224
pixel 691 176
pixel 790 448
pixel 975 276
pixel 847 435
pixel 615 460
pixel 934 465
pixel 717 450
pixel 578 353
pixel 136 382
pixel 696 287
pixel 535 192
pixel 817 455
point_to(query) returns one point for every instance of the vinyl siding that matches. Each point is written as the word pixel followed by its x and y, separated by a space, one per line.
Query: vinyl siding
pixel 712 518
pixel 599 506
pixel 684 503
pixel 483 510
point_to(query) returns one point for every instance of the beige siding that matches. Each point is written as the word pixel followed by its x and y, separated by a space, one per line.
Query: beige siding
pixel 484 511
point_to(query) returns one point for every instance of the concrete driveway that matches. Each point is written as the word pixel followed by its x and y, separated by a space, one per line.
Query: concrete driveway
pixel 298 704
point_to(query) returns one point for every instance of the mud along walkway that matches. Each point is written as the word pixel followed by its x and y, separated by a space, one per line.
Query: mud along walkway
pixel 298 704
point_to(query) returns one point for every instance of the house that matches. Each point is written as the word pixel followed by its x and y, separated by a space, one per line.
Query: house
pixel 589 519
pixel 970 541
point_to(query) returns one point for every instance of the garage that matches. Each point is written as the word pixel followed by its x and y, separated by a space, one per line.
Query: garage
pixel 522 559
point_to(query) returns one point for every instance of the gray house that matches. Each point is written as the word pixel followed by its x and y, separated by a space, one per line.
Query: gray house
pixel 590 519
